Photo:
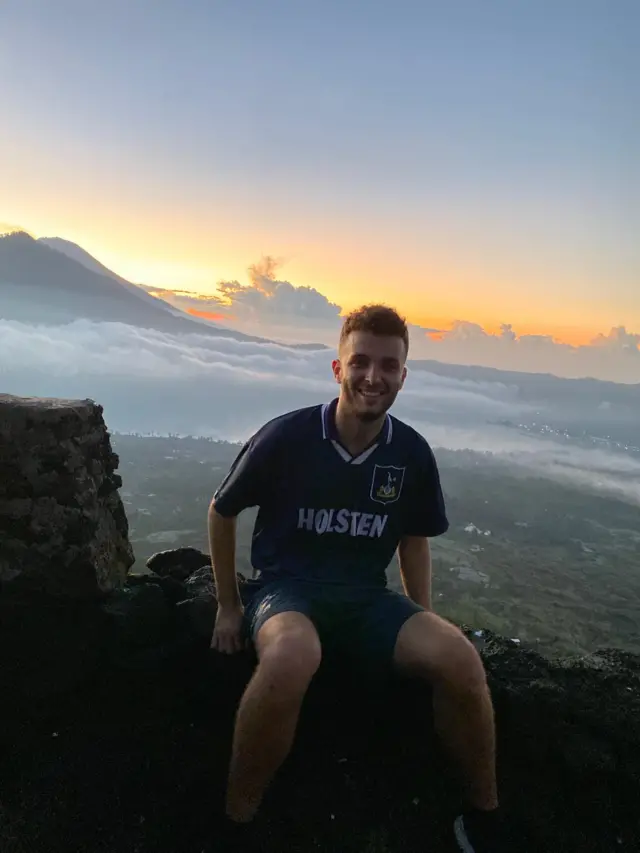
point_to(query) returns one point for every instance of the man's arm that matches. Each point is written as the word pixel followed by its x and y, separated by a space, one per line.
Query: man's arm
pixel 414 555
pixel 245 485
pixel 426 517
pixel 222 547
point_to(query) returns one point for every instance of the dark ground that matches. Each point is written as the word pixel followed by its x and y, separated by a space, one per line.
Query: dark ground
pixel 133 761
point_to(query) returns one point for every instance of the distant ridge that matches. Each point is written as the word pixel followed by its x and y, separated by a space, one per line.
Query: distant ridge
pixel 549 382
pixel 77 253
pixel 53 281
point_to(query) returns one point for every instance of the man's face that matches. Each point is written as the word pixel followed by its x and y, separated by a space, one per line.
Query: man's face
pixel 370 370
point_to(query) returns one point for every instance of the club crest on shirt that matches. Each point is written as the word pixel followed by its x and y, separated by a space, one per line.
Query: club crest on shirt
pixel 386 483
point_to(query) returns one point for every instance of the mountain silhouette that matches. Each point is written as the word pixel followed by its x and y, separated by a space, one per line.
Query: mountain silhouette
pixel 54 282
pixel 77 253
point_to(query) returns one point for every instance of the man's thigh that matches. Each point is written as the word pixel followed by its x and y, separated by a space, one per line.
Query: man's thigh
pixel 372 632
pixel 272 598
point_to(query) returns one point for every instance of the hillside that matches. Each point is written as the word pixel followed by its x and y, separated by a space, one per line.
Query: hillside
pixel 77 253
pixel 39 284
pixel 535 386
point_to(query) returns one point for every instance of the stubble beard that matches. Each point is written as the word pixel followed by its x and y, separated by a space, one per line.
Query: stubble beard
pixel 366 416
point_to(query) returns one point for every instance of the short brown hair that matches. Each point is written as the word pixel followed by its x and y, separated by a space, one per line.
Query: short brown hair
pixel 378 320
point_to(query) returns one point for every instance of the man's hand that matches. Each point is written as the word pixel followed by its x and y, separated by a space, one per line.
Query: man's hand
pixel 227 631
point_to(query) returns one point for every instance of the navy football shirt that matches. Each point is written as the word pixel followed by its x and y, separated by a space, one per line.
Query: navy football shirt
pixel 325 515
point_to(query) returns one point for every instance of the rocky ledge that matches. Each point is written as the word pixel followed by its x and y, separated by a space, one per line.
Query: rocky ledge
pixel 117 734
pixel 63 529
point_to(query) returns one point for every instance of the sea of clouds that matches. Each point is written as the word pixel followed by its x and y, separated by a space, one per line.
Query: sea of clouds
pixel 271 307
pixel 152 382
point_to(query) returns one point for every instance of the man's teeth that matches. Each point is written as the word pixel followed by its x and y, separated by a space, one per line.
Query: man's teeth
pixel 370 393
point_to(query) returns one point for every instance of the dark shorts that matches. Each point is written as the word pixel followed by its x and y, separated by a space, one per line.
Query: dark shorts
pixel 359 626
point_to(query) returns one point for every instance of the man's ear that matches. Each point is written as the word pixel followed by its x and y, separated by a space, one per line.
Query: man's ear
pixel 336 366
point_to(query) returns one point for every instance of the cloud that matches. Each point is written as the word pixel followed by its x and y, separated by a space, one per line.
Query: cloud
pixel 614 357
pixel 619 340
pixel 592 469
pixel 266 296
pixel 270 307
pixel 119 350
pixel 277 309
pixel 149 381
pixel 265 306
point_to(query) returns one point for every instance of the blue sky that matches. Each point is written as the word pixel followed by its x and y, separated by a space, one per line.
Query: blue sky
pixel 481 156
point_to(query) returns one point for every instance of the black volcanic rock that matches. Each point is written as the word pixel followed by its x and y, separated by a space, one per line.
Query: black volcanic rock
pixel 179 563
pixel 173 589
pixel 135 757
pixel 63 529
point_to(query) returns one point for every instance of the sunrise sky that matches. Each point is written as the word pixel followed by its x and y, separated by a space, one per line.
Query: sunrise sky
pixel 463 160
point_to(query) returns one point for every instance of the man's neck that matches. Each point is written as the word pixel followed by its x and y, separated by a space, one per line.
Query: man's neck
pixel 355 435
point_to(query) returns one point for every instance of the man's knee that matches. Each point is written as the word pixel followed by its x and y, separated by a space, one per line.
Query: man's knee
pixel 289 650
pixel 438 650
pixel 460 665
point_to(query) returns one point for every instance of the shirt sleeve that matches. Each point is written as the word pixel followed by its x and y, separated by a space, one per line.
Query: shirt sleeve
pixel 247 482
pixel 426 515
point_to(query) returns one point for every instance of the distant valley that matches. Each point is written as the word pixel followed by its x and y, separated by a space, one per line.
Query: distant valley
pixel 553 566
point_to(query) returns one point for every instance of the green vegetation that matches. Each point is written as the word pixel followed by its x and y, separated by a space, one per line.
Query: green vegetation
pixel 560 569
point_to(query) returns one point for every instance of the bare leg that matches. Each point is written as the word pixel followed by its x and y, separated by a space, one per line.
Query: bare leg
pixel 289 655
pixel 464 723
pixel 430 647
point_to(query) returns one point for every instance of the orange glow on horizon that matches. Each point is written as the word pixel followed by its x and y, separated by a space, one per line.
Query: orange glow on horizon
pixel 210 315
pixel 344 267
pixel 571 335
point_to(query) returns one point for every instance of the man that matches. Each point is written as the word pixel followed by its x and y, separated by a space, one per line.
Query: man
pixel 340 487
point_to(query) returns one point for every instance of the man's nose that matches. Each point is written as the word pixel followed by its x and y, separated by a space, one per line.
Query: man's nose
pixel 373 374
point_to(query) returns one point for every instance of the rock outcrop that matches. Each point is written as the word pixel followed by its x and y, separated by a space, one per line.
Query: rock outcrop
pixel 116 732
pixel 63 530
